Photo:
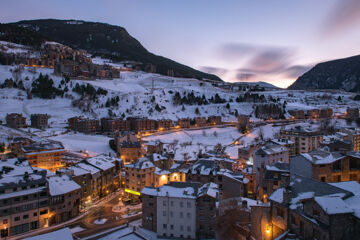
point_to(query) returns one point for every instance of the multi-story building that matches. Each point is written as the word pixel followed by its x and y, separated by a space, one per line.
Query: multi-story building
pixel 46 155
pixel 86 125
pixel 285 143
pixel 200 121
pixel 243 121
pixel 308 209
pixel 325 166
pixel 88 178
pixel 326 113
pixel 138 175
pixel 182 210
pixel 39 121
pixel 130 151
pixel 214 120
pixel 231 184
pixel 15 120
pixel 154 147
pixel 24 198
pixel 177 173
pixel 353 135
pixel 142 124
pixel 313 113
pixel 184 123
pixel 65 196
pixel 297 114
pixel 111 125
pixel 270 153
pixel 305 140
pixel 246 154
pixel 164 124
pixel 109 170
pixel 352 113
pixel 269 177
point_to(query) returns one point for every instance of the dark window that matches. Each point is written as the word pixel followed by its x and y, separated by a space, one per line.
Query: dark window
pixel 280 212
pixel 42 212
pixel 26 216
pixel 354 164
pixel 16 218
pixel 323 179
pixel 336 166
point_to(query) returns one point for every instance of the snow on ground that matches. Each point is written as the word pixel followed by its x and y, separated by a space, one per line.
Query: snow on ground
pixel 76 142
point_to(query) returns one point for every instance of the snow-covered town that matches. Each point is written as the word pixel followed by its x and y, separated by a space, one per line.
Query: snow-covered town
pixel 99 145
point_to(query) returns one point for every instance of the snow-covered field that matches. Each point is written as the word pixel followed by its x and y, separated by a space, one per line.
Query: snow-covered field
pixel 93 144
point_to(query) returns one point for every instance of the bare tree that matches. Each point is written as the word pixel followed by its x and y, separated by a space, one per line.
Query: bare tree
pixel 17 73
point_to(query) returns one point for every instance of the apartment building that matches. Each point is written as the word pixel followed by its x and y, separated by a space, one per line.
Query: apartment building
pixel 24 198
pixel 297 114
pixel 326 166
pixel 138 175
pixel 176 173
pixel 285 143
pixel 353 135
pixel 270 153
pixel 214 120
pixel 164 124
pixel 130 151
pixel 184 122
pixel 305 140
pixel 47 155
pixel 39 120
pixel 352 113
pixel 182 210
pixel 200 121
pixel 111 125
pixel 65 196
pixel 231 184
pixel 16 120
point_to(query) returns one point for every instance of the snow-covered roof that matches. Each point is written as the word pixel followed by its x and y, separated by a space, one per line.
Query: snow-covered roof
pixel 270 149
pixel 351 186
pixel 59 185
pixel 320 156
pixel 333 205
pixel 102 162
pixel 62 234
pixel 141 163
pixel 190 190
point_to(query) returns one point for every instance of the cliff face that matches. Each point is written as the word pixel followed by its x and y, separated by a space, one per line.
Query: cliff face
pixel 108 41
pixel 337 74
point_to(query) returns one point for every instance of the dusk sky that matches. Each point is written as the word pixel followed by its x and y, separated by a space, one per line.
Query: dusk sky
pixel 239 40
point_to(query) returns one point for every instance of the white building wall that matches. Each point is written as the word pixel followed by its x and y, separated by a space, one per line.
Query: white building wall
pixel 176 217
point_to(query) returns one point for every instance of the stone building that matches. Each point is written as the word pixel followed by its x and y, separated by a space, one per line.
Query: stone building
pixel 130 151
pixel 297 114
pixel 286 143
pixel 39 121
pixel 308 209
pixel 231 184
pixel 325 166
pixel 16 120
pixel 270 153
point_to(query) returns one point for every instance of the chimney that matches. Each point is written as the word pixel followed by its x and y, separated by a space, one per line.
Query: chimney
pixel 244 204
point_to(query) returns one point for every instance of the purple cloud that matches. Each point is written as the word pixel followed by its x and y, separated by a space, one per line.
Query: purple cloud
pixel 344 14
pixel 214 70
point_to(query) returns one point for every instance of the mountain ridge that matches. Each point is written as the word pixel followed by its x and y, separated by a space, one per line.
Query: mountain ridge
pixel 341 73
pixel 108 41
